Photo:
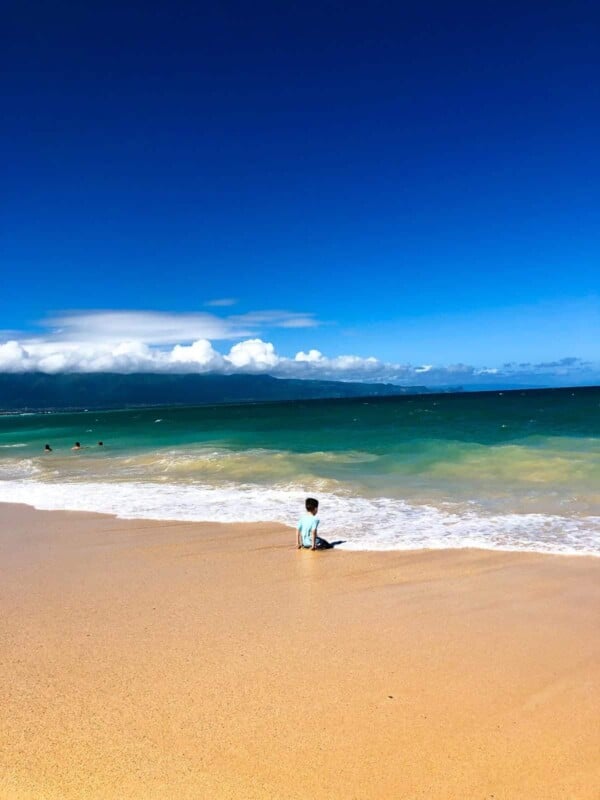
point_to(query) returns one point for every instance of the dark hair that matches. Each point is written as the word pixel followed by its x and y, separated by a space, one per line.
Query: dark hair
pixel 311 504
pixel 47 447
pixel 100 444
pixel 77 444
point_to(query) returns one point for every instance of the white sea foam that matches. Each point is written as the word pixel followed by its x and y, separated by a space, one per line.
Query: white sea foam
pixel 18 470
pixel 363 523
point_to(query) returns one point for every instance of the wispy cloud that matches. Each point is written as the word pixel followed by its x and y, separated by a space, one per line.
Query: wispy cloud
pixel 150 327
pixel 275 319
pixel 221 302
pixel 164 328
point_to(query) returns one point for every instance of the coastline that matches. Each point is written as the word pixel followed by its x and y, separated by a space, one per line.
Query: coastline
pixel 377 524
pixel 147 659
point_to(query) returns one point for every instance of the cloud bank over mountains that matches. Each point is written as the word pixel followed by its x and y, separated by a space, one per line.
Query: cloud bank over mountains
pixel 144 341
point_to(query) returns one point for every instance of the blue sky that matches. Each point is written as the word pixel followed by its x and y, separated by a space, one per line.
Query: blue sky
pixel 415 183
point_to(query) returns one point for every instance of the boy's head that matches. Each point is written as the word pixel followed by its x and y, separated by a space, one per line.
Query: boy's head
pixel 312 505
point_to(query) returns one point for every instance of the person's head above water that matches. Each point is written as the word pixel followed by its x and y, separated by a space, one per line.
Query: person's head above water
pixel 312 505
pixel 47 448
pixel 76 446
pixel 100 444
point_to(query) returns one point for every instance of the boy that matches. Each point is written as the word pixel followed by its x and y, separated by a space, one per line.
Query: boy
pixel 306 532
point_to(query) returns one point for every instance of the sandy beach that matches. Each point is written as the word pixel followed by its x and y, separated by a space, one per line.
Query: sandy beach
pixel 158 660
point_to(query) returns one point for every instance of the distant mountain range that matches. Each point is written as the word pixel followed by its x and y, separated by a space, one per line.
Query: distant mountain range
pixel 40 391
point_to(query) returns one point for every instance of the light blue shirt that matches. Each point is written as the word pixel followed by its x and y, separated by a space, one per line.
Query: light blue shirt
pixel 306 525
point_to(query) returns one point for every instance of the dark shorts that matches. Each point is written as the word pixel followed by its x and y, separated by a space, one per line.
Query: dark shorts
pixel 320 544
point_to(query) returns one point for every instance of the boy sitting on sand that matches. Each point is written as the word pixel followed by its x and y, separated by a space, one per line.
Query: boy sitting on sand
pixel 306 532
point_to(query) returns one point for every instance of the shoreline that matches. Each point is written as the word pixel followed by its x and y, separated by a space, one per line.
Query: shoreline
pixel 149 659
pixel 484 540
pixel 289 530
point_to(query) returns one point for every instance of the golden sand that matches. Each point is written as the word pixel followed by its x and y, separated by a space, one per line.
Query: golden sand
pixel 170 660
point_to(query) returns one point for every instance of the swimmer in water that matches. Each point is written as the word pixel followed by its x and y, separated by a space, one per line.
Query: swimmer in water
pixel 76 446
pixel 47 448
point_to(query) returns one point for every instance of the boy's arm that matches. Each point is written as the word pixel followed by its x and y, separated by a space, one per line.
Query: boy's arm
pixel 313 535
pixel 298 539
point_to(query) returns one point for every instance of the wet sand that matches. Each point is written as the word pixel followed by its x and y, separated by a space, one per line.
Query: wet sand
pixel 158 660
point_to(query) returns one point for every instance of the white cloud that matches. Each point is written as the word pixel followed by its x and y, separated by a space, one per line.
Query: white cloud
pixel 128 342
pixel 51 356
pixel 13 357
pixel 312 357
pixel 200 354
pixel 253 354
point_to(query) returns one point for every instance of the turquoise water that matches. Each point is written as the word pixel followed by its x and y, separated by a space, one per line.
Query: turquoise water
pixel 517 470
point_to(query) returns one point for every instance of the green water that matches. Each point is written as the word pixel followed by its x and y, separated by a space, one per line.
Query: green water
pixel 501 453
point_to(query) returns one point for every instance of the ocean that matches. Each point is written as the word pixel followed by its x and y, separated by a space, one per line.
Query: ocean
pixel 513 470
